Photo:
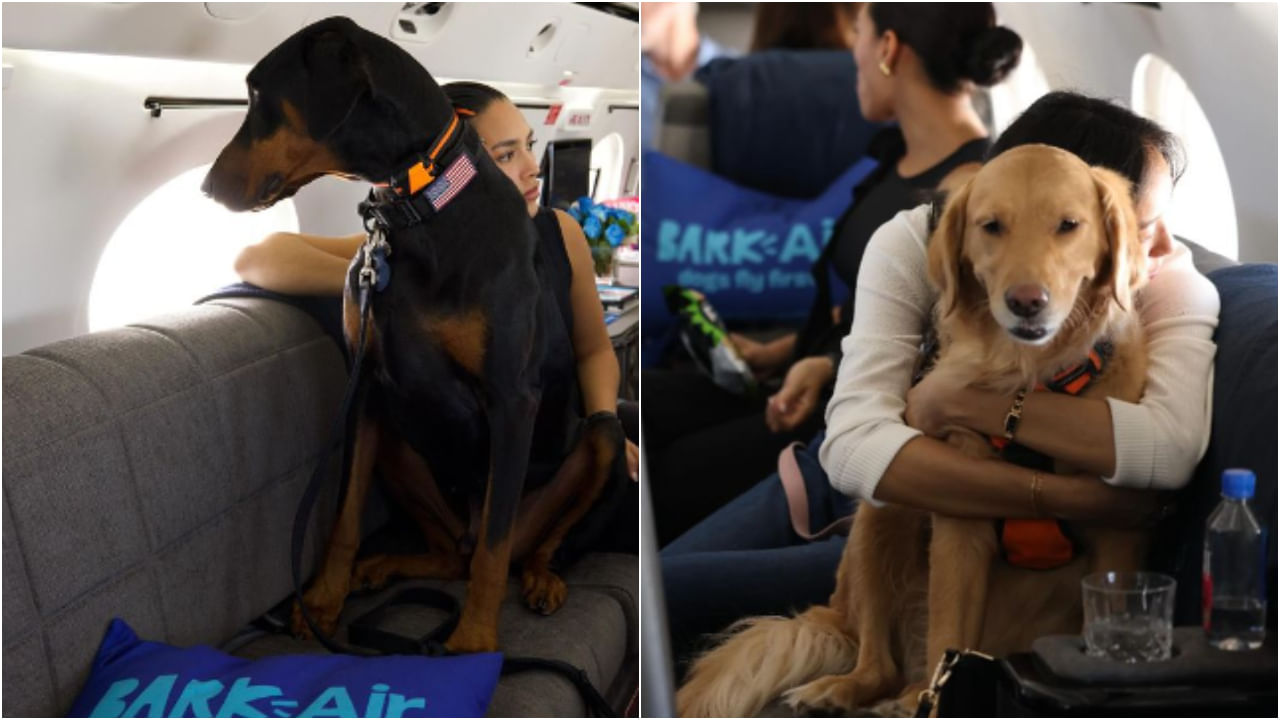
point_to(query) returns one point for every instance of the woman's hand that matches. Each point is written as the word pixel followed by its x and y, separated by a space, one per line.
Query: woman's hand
pixel 669 36
pixel 763 358
pixel 633 460
pixel 930 403
pixel 1086 500
pixel 1075 430
pixel 798 397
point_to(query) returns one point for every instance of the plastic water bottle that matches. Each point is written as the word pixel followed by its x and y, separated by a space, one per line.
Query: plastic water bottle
pixel 1235 605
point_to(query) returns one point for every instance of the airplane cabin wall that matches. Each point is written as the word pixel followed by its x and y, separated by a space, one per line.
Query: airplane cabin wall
pixel 80 152
pixel 1226 52
pixel 480 41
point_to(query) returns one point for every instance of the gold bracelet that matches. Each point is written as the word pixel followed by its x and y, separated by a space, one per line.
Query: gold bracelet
pixel 1035 494
pixel 1014 416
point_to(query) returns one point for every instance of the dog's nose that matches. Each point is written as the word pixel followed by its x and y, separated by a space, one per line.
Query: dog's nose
pixel 1026 300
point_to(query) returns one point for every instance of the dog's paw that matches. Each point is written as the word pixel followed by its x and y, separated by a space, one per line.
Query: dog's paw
pixel 373 572
pixel 903 706
pixel 472 638
pixel 840 693
pixel 833 693
pixel 324 613
pixel 544 591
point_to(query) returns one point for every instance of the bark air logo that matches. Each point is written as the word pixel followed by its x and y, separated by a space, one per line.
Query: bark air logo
pixel 205 698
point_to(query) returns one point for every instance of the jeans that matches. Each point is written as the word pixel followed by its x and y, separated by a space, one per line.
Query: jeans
pixel 706 446
pixel 745 559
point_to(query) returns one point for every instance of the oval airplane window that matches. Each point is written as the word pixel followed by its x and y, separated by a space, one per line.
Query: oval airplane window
pixel 421 22
pixel 606 161
pixel 1022 87
pixel 175 247
pixel 542 39
pixel 1202 209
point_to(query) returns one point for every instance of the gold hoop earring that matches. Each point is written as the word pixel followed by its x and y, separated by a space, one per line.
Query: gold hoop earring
pixel 884 69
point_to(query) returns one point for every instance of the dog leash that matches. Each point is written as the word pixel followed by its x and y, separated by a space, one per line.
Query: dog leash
pixel 364 631
pixel 374 276
pixel 367 280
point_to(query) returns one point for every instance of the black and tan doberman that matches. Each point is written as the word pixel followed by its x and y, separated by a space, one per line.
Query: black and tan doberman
pixel 459 338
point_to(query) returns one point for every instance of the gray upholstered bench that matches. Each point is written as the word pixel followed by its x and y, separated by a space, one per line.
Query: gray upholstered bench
pixel 152 473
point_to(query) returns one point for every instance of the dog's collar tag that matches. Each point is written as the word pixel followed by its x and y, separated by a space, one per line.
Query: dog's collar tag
pixel 375 271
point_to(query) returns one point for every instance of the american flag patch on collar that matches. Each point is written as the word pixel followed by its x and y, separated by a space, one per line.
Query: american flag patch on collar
pixel 448 185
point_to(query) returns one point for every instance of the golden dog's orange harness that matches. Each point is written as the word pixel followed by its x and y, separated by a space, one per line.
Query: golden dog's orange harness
pixel 1041 544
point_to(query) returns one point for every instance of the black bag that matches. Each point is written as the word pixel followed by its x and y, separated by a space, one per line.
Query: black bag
pixel 704 335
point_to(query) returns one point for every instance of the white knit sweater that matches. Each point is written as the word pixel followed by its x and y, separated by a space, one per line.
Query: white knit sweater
pixel 1158 441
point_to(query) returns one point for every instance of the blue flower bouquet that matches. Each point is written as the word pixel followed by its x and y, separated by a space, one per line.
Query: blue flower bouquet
pixel 605 228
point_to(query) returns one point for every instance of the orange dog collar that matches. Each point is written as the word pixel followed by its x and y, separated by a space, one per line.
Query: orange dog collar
pixel 422 173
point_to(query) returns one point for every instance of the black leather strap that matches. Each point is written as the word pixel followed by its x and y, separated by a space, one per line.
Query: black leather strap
pixel 364 631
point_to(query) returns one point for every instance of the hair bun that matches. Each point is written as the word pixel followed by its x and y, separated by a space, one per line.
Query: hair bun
pixel 994 53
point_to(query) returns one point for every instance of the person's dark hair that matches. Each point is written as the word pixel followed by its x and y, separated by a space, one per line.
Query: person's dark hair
pixel 955 41
pixel 472 97
pixel 802 26
pixel 1097 131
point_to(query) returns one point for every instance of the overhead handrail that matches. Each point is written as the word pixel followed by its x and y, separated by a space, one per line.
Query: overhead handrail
pixel 157 104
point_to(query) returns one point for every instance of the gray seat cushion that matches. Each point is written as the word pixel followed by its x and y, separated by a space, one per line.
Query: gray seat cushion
pixel 595 630
pixel 147 471
pixel 152 473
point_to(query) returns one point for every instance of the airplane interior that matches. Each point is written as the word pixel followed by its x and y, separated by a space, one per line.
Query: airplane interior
pixel 279 495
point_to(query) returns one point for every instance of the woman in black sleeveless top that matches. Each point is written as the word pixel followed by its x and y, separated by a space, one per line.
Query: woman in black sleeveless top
pixel 580 371
pixel 916 65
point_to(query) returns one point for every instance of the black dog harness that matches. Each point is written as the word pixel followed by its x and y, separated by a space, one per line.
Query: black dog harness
pixel 411 197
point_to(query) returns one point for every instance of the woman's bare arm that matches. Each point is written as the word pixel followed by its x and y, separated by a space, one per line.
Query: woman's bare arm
pixel 931 475
pixel 597 364
pixel 1072 429
pixel 598 373
pixel 299 264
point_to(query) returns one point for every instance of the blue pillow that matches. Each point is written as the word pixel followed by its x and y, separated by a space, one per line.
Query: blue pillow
pixel 136 678
pixel 749 252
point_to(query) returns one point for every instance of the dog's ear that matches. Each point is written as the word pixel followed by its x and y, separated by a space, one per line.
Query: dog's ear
pixel 1124 250
pixel 945 246
pixel 336 78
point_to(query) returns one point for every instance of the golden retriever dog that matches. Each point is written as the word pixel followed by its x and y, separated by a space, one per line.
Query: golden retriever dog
pixel 1036 259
